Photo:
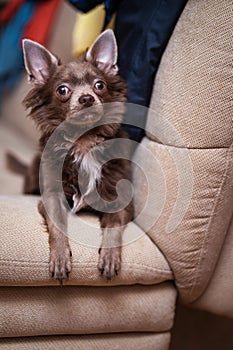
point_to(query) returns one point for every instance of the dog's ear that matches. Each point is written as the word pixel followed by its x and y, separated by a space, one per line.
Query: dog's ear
pixel 39 62
pixel 103 53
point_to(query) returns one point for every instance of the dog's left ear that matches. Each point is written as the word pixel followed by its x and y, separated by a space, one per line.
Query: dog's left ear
pixel 103 53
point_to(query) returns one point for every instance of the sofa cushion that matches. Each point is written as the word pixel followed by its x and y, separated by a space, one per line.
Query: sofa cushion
pixel 192 98
pixel 186 208
pixel 187 156
pixel 117 341
pixel 86 310
pixel 24 250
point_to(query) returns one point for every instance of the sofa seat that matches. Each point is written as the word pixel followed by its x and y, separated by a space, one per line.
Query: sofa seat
pixel 25 262
pixel 141 298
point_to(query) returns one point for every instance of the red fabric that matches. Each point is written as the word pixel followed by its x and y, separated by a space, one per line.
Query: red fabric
pixel 39 26
pixel 10 10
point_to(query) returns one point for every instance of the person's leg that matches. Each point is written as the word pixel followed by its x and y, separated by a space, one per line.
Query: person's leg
pixel 143 29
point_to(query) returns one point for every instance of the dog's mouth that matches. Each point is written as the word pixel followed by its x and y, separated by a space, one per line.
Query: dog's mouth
pixel 87 116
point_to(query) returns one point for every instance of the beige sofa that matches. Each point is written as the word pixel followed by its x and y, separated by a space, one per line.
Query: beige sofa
pixel 181 245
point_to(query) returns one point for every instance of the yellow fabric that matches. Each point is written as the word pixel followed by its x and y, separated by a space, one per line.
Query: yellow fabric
pixel 88 26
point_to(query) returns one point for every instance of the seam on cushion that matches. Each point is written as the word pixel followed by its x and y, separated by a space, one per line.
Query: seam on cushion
pixel 186 147
pixel 22 261
pixel 139 267
pixel 134 265
pixel 207 237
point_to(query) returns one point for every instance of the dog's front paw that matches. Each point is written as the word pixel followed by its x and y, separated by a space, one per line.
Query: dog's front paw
pixel 60 263
pixel 109 262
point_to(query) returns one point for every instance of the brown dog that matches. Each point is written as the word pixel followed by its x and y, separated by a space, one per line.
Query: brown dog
pixel 72 98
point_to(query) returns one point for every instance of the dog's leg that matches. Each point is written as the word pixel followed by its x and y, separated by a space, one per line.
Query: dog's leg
pixel 54 211
pixel 113 225
pixel 55 216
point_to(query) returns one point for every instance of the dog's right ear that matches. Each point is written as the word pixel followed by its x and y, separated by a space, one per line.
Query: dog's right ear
pixel 39 62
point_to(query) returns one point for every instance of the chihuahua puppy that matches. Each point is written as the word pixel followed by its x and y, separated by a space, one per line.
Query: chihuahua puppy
pixel 76 94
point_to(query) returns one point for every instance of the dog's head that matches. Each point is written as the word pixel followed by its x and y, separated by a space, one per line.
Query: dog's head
pixel 77 89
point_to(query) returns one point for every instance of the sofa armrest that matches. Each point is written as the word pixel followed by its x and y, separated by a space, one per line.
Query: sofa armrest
pixel 190 140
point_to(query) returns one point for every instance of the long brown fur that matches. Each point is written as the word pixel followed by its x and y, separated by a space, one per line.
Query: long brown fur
pixel 49 112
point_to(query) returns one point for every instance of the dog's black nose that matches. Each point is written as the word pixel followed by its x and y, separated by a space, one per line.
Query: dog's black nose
pixel 86 100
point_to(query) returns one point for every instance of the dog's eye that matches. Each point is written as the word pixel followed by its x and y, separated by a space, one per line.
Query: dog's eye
pixel 63 92
pixel 99 85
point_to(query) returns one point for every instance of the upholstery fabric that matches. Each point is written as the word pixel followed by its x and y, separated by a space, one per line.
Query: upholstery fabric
pixel 85 310
pixel 24 251
pixel 193 86
pixel 187 156
pixel 218 296
pixel 187 210
pixel 142 341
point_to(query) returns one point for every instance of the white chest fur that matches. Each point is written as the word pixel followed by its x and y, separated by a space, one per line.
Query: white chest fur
pixel 90 167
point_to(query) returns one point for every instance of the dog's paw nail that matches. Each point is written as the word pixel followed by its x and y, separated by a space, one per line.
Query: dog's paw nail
pixel 60 265
pixel 109 262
